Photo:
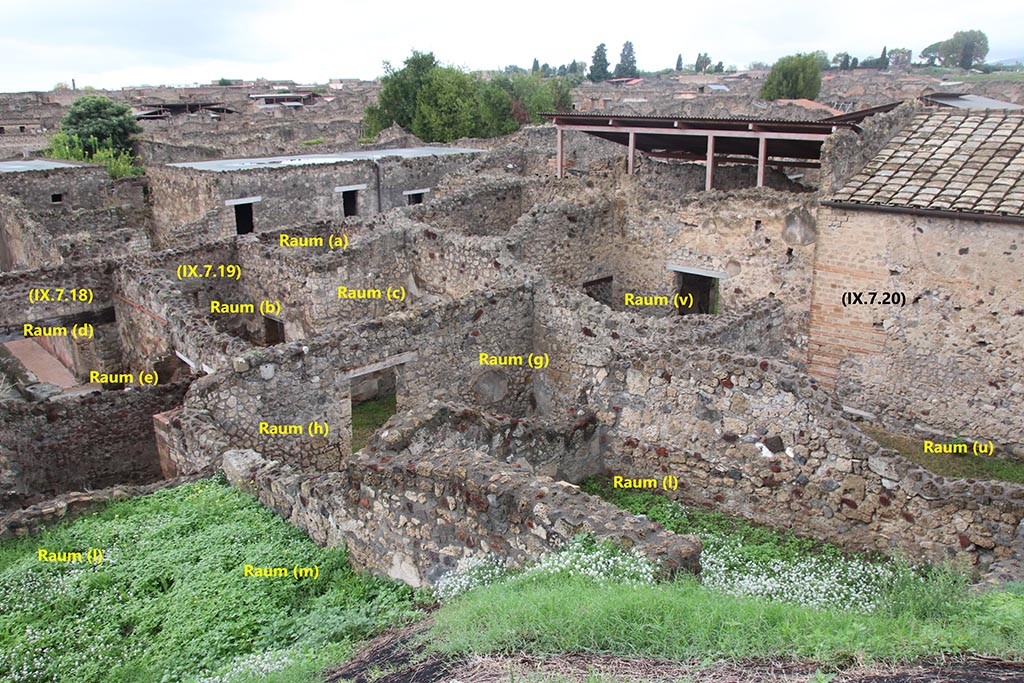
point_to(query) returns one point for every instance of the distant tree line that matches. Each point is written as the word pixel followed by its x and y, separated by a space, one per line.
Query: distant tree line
pixel 442 103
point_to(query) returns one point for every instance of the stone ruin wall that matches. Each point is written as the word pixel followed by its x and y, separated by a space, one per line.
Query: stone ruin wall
pixel 96 218
pixel 845 152
pixel 950 358
pixel 696 415
pixel 414 519
pixel 80 355
pixel 94 441
pixel 300 383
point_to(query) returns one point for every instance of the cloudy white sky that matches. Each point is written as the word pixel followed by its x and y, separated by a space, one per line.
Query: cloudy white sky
pixel 116 43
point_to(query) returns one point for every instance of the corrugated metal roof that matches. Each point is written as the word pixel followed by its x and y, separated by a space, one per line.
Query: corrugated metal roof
pixel 965 101
pixel 224 165
pixel 36 165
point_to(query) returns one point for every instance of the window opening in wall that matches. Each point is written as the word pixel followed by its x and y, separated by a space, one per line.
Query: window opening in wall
pixel 21 129
pixel 374 400
pixel 56 198
pixel 704 290
pixel 243 219
pixel 273 329
pixel 599 290
pixel 349 203
pixel 2 130
pixel 416 198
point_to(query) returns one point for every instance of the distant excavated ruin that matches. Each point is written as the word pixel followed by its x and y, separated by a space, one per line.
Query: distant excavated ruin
pixel 716 346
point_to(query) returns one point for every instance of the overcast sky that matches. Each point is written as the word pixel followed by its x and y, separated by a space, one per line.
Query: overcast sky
pixel 115 43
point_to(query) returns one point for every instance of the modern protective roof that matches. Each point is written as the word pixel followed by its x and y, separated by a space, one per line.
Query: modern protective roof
pixel 686 137
pixel 948 161
pixel 963 101
pixel 34 165
pixel 224 165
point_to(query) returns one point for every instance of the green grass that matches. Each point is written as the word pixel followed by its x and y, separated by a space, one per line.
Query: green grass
pixel 368 417
pixel 170 602
pixel 949 465
pixel 758 542
pixel 918 611
pixel 314 141
pixel 683 620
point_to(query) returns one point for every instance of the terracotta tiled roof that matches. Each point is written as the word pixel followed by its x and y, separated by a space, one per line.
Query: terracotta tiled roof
pixel 956 161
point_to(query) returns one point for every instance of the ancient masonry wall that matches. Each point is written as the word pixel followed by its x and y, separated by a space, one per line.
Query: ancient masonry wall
pixel 80 354
pixel 414 518
pixel 751 437
pixel 189 205
pixel 158 314
pixel 75 444
pixel 946 350
pixel 50 217
pixel 436 354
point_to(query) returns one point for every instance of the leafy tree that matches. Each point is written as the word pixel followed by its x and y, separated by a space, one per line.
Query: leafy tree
pixel 703 62
pixel 793 77
pixel 965 49
pixel 899 58
pixel 446 106
pixel 884 58
pixel 822 58
pixel 626 68
pixel 719 68
pixel 968 49
pixel 494 99
pixel 854 63
pixel 932 53
pixel 599 65
pixel 844 64
pixel 396 101
pixel 679 63
pixel 837 59
pixel 99 122
pixel 536 65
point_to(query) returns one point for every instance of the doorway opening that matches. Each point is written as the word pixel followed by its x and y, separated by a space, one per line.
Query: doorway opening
pixel 703 289
pixel 243 219
pixel 350 203
pixel 374 401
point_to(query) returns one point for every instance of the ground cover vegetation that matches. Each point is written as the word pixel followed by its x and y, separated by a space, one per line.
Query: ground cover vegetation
pixel 369 416
pixel 170 602
pixel 442 103
pixel 946 464
pixel 763 594
pixel 98 130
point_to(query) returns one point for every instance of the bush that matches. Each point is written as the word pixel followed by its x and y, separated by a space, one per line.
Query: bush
pixel 100 122
pixel 793 77
pixel 120 164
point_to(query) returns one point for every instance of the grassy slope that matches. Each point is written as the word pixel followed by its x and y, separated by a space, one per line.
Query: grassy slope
pixel 919 613
pixel 170 601
pixel 368 417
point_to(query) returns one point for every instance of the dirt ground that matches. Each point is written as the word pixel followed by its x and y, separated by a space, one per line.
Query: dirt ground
pixel 398 657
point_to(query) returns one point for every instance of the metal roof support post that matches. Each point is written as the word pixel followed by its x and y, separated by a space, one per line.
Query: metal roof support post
pixel 632 152
pixel 762 156
pixel 709 179
pixel 561 158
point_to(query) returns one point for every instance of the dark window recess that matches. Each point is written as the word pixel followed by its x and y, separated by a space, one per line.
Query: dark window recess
pixel 349 204
pixel 56 198
pixel 21 129
pixel 2 130
pixel 599 290
pixel 243 219
pixel 273 331
pixel 704 290
pixel 416 198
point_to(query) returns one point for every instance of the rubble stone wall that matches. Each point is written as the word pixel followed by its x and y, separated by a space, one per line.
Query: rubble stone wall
pixel 414 519
pixel 948 354
pixel 74 444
